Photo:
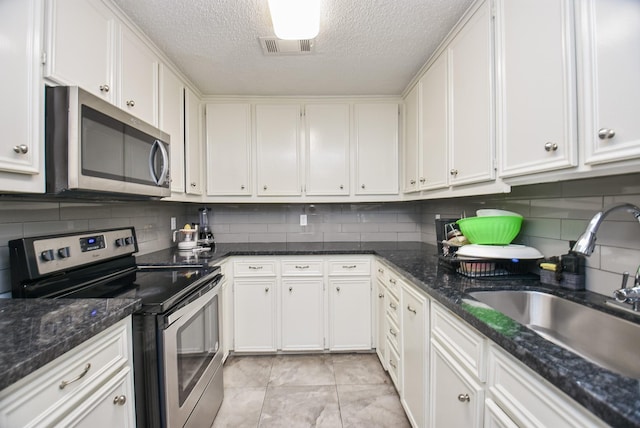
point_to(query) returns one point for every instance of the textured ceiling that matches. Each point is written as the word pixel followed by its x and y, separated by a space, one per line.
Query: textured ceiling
pixel 365 47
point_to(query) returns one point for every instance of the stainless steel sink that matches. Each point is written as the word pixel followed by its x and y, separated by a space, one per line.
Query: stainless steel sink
pixel 604 339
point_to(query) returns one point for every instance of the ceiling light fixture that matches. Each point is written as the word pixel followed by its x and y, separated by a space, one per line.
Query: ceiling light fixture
pixel 295 19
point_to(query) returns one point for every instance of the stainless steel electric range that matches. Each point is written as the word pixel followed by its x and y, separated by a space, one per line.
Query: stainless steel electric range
pixel 177 333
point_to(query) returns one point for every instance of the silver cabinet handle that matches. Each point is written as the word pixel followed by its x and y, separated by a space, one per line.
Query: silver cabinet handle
pixel 392 364
pixel 606 133
pixel 255 267
pixel 131 103
pixel 464 397
pixel 120 400
pixel 393 332
pixel 104 88
pixel 392 306
pixel 453 172
pixel 410 309
pixel 380 296
pixel 21 149
pixel 412 181
pixel 349 266
pixel 64 383
pixel 551 147
pixel 302 267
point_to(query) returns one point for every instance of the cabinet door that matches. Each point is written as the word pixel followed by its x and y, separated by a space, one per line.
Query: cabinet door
pixel 21 110
pixel 110 406
pixel 193 142
pixel 376 133
pixel 81 45
pixel 457 400
pixel 327 149
pixel 350 314
pixel 537 129
pixel 302 314
pixel 609 37
pixel 278 150
pixel 381 336
pixel 415 354
pixel 254 315
pixel 434 158
pixel 471 101
pixel 228 129
pixel 139 79
pixel 172 122
pixel 411 136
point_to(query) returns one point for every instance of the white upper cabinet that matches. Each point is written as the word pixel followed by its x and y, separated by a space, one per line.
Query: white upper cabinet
pixel 609 58
pixel 471 116
pixel 193 142
pixel 139 78
pixel 172 122
pixel 433 136
pixel 228 149
pixel 278 149
pixel 81 45
pixel 327 149
pixel 22 107
pixel 376 134
pixel 536 96
pixel 411 135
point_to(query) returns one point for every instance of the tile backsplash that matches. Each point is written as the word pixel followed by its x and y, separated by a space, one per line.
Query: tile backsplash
pixel 555 213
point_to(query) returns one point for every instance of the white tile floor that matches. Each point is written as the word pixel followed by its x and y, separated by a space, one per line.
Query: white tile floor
pixel 296 391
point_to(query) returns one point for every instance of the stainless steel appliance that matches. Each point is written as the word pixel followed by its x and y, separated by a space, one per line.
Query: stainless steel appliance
pixel 93 146
pixel 177 333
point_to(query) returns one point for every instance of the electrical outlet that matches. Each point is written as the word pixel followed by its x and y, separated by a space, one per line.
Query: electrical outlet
pixel 173 223
pixel 437 216
pixel 303 219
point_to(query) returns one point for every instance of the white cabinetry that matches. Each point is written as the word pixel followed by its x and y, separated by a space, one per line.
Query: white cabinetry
pixel 193 142
pixel 327 128
pixel 171 121
pixel 609 42
pixel 228 149
pixel 381 306
pixel 138 78
pixel 536 94
pixel 22 107
pixel 411 140
pixel 470 85
pixel 349 304
pixel 376 138
pixel 415 354
pixel 102 396
pixel 254 310
pixel 278 149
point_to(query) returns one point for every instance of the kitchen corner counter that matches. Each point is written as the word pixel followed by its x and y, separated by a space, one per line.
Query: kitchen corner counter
pixel 37 331
pixel 613 398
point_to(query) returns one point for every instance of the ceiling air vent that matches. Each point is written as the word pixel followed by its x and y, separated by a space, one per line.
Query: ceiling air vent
pixel 275 46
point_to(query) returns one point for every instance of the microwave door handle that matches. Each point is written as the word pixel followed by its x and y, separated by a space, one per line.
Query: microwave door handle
pixel 157 145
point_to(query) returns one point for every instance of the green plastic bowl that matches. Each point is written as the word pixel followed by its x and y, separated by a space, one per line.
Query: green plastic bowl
pixel 490 230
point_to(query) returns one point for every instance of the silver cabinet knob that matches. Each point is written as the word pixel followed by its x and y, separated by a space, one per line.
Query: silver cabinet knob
pixel 338 289
pixel 266 289
pixel 341 186
pixel 422 180
pixel 393 306
pixel 393 332
pixel 264 187
pixel 104 88
pixel 453 172
pixel 606 133
pixel 131 103
pixel 551 147
pixel 242 187
pixel 119 400
pixel 464 398
pixel 381 296
pixel 290 289
pixel 362 186
pixel 393 364
pixel 21 149
pixel 412 181
pixel 193 184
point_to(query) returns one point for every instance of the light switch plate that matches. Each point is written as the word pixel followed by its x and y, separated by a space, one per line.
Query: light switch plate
pixel 303 219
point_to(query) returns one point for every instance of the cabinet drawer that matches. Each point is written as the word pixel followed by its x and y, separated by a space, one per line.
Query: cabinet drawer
pixel 349 267
pixel 393 308
pixel 244 268
pixel 41 397
pixel 392 332
pixel 302 268
pixel 461 340
pixel 530 400
pixel 394 366
pixel 393 284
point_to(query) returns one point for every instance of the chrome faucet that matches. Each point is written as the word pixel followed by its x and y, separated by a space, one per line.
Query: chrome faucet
pixel 587 243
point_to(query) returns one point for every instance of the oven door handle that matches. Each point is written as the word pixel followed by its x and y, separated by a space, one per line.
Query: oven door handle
pixel 191 308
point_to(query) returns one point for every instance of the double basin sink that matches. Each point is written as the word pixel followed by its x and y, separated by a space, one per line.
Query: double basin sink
pixel 602 338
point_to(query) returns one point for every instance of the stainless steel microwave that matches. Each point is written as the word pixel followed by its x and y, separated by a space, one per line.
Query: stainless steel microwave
pixel 95 149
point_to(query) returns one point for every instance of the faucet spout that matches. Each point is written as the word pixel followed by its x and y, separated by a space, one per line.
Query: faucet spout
pixel 587 241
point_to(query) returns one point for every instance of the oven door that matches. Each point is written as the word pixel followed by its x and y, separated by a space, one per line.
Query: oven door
pixel 193 359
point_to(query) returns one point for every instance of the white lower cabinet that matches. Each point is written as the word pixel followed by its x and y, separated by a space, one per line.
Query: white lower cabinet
pixel 381 338
pixel 415 354
pixel 91 385
pixel 494 417
pixel 302 309
pixel 349 313
pixel 254 315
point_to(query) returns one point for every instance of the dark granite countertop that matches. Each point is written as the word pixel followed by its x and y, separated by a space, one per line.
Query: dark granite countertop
pixel 37 331
pixel 612 397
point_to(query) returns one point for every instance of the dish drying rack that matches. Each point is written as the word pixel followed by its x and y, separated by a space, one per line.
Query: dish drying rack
pixel 489 268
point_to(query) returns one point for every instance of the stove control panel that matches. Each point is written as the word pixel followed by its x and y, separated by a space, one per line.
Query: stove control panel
pixel 63 252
